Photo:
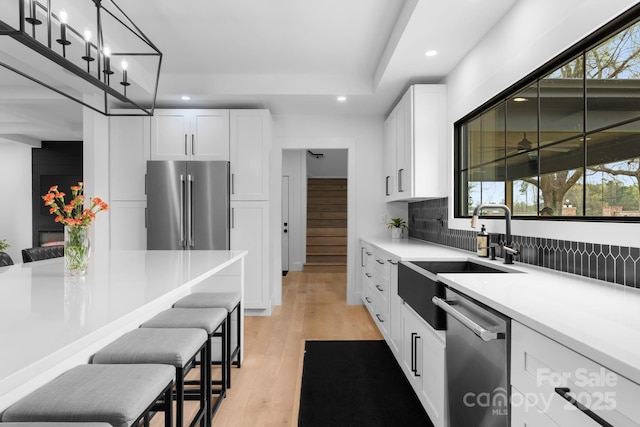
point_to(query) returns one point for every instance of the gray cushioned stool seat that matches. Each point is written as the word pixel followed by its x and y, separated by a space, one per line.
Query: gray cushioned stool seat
pixel 227 300
pixel 167 346
pixel 116 394
pixel 45 424
pixel 208 319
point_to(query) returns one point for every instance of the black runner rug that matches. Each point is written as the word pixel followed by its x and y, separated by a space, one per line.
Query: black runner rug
pixel 356 383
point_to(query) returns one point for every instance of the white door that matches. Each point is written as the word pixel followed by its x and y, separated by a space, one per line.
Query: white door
pixel 285 223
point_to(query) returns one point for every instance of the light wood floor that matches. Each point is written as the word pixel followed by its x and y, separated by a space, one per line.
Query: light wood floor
pixel 266 390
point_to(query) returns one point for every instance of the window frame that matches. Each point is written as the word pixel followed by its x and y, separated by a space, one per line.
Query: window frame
pixel 631 16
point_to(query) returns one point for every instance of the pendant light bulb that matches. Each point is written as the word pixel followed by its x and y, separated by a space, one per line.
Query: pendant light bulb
pixel 107 52
pixel 87 36
pixel 63 16
pixel 125 65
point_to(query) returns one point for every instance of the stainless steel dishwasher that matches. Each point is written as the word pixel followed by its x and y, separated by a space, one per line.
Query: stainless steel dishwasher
pixel 477 362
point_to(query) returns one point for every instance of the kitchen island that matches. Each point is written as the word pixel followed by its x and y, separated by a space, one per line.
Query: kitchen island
pixel 50 323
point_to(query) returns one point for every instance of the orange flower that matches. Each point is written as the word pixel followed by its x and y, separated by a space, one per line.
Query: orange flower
pixel 53 188
pixel 76 188
pixel 58 218
pixel 104 206
pixel 72 213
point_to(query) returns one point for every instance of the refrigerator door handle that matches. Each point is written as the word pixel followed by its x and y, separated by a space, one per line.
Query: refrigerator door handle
pixel 182 204
pixel 189 205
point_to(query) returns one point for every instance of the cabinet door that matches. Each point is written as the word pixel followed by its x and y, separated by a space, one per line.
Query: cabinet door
pixel 390 156
pixel 249 231
pixel 395 303
pixel 209 134
pixel 402 115
pixel 169 135
pixel 409 348
pixel 129 139
pixel 250 143
pixel 431 367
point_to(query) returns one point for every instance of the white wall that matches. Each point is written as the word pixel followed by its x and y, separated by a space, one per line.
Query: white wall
pixel 333 164
pixel 362 137
pixel 15 217
pixel 532 33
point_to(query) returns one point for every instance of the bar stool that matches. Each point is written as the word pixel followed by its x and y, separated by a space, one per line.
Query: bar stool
pixel 176 347
pixel 227 300
pixel 210 320
pixel 120 395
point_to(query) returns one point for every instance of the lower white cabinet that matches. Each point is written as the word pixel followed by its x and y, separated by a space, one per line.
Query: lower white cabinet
pixel 250 231
pixel 423 361
pixel 570 389
pixel 524 413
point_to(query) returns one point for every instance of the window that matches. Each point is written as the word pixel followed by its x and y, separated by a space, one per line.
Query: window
pixel 566 141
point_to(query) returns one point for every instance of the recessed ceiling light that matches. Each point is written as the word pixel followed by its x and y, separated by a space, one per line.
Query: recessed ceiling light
pixel 341 98
pixel 431 53
pixel 520 99
pixel 185 98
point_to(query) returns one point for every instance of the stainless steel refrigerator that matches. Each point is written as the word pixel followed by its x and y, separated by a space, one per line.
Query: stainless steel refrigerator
pixel 187 205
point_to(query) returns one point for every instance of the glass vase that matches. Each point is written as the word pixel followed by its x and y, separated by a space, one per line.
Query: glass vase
pixel 76 250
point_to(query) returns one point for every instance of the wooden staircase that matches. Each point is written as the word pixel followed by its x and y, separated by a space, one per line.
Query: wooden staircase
pixel 326 225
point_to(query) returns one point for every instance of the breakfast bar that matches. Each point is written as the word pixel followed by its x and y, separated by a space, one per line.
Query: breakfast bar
pixel 50 323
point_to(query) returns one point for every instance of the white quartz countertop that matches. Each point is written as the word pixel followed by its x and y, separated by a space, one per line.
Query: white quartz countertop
pixel 47 319
pixel 599 320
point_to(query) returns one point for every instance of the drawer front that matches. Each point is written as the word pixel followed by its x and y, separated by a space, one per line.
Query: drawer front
pixel 525 414
pixel 549 374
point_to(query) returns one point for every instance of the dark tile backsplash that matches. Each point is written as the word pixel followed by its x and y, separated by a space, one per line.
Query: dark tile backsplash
pixel 428 221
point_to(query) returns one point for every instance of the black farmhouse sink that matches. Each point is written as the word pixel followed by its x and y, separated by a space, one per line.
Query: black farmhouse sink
pixel 418 283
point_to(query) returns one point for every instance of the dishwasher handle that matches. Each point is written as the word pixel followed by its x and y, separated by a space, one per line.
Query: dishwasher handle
pixel 482 332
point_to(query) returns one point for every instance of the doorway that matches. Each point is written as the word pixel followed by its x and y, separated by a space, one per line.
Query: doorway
pixel 315 209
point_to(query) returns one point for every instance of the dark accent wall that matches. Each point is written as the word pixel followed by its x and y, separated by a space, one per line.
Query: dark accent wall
pixel 56 163
pixel 611 263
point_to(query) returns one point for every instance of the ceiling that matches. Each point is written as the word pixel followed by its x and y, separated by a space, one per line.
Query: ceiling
pixel 290 56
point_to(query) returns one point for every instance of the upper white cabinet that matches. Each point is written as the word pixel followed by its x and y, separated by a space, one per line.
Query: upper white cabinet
pixel 415 141
pixel 190 135
pixel 250 145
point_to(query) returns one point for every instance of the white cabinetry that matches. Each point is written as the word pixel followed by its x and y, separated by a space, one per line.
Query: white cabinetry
pixel 415 137
pixel 190 135
pixel 419 349
pixel 423 361
pixel 128 154
pixel 250 145
pixel 250 231
pixel 550 375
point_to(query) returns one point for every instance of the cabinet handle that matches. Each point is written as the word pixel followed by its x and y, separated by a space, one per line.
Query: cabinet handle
pixel 368 275
pixel 362 257
pixel 413 354
pixel 418 337
pixel 564 393
pixel 378 287
pixel 193 145
pixel 379 261
pixel 369 253
pixel 386 186
pixel 233 184
pixel 400 180
pixel 368 299
pixel 392 262
pixel 186 152
pixel 233 217
pixel 380 318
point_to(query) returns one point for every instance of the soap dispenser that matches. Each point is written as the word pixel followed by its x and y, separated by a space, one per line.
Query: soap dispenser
pixel 483 242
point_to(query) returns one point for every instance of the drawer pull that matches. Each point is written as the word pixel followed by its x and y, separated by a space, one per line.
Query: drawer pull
pixel 369 253
pixel 380 318
pixel 379 288
pixel 413 352
pixel 564 393
pixel 368 275
pixel 379 261
pixel 392 262
pixel 368 299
